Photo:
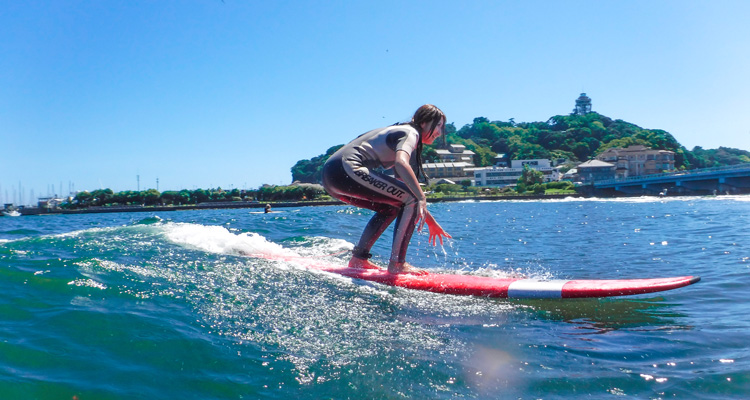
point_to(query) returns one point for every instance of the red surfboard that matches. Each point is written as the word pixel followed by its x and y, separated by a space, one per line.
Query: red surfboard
pixel 516 288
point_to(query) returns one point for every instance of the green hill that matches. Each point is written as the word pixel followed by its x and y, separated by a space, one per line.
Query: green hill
pixel 576 138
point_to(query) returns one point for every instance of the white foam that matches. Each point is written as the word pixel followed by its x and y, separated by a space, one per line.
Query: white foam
pixel 219 240
pixel 320 246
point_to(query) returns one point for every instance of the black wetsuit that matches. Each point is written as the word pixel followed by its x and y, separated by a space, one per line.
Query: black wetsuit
pixel 350 176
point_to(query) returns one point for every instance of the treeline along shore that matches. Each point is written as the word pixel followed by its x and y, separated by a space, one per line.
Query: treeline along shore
pixel 273 204
pixel 295 195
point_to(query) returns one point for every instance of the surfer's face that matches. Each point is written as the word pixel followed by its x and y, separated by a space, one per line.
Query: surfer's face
pixel 429 137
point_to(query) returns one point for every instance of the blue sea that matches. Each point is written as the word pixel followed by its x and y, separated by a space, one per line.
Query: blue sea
pixel 179 305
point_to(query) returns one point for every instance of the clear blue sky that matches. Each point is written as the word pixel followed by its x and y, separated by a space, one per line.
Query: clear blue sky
pixel 232 93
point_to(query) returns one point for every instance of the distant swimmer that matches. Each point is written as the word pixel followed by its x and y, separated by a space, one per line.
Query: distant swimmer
pixel 350 176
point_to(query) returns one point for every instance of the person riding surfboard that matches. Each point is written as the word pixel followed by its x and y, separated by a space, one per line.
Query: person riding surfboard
pixel 350 175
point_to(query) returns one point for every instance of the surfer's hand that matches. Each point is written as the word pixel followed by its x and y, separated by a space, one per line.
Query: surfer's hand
pixel 436 231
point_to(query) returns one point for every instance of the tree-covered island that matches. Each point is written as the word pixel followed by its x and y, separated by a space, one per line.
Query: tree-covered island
pixel 574 138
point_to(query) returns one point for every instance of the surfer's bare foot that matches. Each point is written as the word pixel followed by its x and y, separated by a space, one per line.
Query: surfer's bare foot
pixel 361 263
pixel 405 268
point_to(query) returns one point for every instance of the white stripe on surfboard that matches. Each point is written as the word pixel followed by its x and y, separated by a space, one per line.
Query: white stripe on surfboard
pixel 533 289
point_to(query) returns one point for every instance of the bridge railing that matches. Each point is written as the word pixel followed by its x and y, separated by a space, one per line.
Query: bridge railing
pixel 700 171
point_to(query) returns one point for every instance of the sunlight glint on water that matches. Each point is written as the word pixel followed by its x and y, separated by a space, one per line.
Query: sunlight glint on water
pixel 180 305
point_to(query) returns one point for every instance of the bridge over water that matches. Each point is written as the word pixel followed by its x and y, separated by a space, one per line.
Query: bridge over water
pixel 733 179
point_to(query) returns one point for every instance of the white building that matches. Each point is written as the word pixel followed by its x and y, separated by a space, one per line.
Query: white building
pixel 503 176
pixel 534 164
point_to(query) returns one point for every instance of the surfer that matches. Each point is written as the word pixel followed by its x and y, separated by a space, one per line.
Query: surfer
pixel 350 175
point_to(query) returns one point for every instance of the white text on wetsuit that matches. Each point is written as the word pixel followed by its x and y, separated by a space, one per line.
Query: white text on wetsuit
pixel 378 184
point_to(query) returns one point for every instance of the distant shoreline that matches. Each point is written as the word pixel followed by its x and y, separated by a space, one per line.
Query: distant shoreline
pixel 274 204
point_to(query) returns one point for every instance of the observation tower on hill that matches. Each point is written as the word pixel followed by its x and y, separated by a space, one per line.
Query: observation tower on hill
pixel 583 105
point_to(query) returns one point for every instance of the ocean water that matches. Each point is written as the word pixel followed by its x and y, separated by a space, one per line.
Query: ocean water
pixel 178 305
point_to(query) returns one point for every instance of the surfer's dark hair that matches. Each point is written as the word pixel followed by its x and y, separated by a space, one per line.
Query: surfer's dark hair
pixel 433 115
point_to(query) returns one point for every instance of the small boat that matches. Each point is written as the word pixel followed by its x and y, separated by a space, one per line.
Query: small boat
pixel 12 213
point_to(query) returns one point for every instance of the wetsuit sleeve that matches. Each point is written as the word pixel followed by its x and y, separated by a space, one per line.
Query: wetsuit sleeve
pixel 403 140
